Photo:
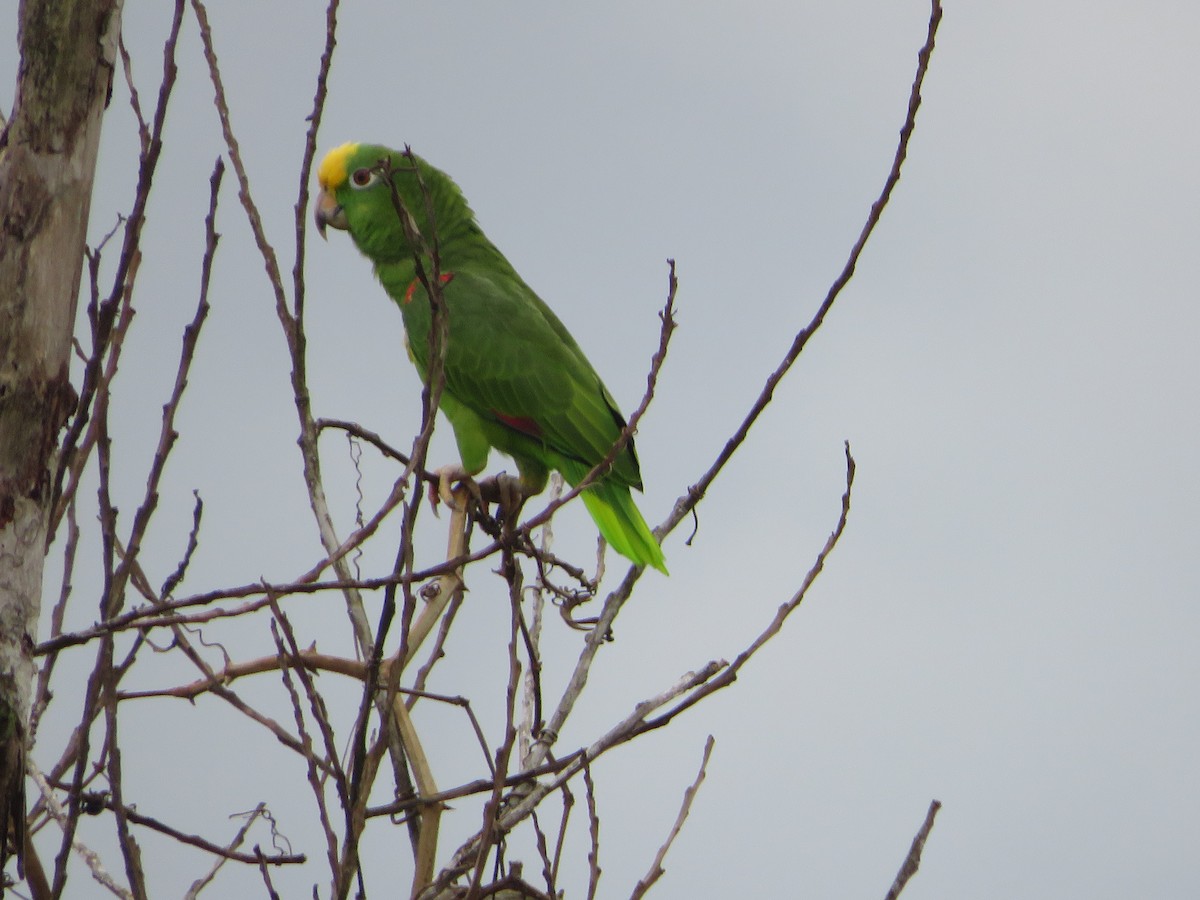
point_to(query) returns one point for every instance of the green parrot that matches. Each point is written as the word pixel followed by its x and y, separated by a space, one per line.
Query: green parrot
pixel 514 377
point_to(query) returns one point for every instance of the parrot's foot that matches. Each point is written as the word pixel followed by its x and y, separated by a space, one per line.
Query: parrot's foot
pixel 505 491
pixel 447 477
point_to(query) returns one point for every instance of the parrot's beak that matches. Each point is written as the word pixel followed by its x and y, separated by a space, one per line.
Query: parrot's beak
pixel 327 212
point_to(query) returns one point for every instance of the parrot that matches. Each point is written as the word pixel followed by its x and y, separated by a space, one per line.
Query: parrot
pixel 514 379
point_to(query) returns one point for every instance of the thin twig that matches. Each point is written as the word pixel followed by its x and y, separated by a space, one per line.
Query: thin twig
pixel 616 599
pixel 695 493
pixel 372 438
pixel 227 694
pixel 167 433
pixel 913 861
pixel 730 673
pixel 175 578
pixel 589 795
pixel 42 694
pixel 314 765
pixel 134 102
pixel 130 850
pixel 266 876
pixel 201 883
pixel 105 800
pixel 568 803
pixel 493 831
pixel 656 868
pixel 519 807
pixel 266 251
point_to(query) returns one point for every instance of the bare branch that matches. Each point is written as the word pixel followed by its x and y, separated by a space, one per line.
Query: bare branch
pixel 106 311
pixel 589 796
pixel 314 765
pixel 310 151
pixel 176 577
pixel 168 434
pixel 201 883
pixel 913 861
pixel 112 750
pixel 270 260
pixel 134 102
pixel 227 853
pixel 656 868
pixel 522 805
pixel 694 493
pixel 90 857
pixel 728 676
pixel 353 428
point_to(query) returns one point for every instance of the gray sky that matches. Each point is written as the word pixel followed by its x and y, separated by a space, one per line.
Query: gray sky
pixel 1010 624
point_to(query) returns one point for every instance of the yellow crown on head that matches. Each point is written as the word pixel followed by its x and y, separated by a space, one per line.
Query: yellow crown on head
pixel 332 173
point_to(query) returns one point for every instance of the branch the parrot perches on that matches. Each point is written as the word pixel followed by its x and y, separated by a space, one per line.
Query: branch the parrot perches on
pixel 514 378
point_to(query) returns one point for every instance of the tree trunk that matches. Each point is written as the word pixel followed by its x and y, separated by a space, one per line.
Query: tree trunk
pixel 47 162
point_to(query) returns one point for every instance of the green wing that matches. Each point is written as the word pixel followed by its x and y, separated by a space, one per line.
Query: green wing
pixel 516 380
pixel 510 361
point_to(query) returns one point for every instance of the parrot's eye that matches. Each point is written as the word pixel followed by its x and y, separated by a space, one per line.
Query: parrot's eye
pixel 362 178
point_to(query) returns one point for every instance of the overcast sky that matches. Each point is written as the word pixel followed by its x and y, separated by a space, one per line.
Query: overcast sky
pixel 1010 624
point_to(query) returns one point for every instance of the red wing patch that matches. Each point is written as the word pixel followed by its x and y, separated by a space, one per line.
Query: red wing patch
pixel 520 423
pixel 416 282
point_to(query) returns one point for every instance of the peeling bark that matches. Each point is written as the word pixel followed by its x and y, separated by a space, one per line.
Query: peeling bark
pixel 47 162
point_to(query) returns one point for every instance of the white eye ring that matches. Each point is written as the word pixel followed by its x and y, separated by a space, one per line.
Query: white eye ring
pixel 363 178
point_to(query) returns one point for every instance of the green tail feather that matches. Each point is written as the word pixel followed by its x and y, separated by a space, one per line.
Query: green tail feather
pixel 622 525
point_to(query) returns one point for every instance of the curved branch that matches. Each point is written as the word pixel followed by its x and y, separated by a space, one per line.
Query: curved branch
pixel 696 492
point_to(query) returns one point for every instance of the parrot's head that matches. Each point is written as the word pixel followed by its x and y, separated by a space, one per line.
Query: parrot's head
pixel 367 189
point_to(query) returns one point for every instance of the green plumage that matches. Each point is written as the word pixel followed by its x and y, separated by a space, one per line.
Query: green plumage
pixel 515 380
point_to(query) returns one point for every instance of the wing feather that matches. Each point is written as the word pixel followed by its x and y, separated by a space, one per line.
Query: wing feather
pixel 509 357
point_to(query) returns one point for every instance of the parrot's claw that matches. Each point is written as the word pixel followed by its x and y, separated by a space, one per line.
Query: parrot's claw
pixel 447 477
pixel 507 492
